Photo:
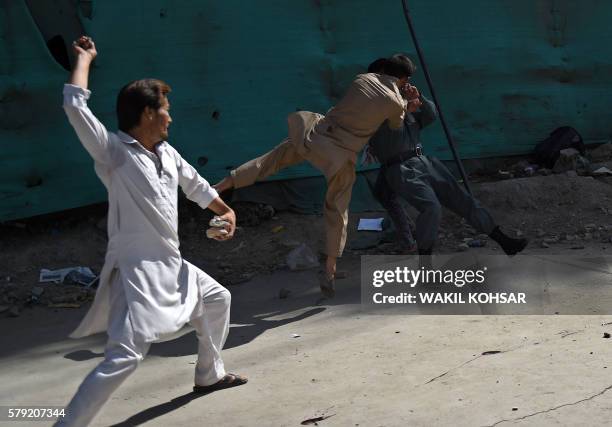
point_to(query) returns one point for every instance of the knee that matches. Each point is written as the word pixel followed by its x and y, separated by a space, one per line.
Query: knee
pixel 121 360
pixel 225 297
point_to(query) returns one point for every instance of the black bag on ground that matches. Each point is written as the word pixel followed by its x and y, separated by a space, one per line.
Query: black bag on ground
pixel 546 152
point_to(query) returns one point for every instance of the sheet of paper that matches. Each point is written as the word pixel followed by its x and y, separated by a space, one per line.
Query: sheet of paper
pixel 370 224
pixel 602 171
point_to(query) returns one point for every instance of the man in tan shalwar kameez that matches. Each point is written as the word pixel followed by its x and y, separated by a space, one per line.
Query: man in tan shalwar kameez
pixel 331 143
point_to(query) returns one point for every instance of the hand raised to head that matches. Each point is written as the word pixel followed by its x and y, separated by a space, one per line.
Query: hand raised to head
pixel 414 105
pixel 411 92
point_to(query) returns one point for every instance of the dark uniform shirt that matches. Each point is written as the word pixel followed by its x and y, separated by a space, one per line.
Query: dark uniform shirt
pixel 387 143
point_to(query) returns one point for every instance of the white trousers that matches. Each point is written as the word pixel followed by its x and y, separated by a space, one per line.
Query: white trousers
pixel 123 352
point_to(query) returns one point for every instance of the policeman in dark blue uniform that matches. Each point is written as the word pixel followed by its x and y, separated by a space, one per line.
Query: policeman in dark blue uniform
pixel 423 181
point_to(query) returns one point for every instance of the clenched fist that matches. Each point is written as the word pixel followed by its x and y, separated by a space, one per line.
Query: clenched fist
pixel 85 47
pixel 411 92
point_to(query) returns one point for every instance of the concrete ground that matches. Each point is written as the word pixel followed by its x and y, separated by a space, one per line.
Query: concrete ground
pixel 355 368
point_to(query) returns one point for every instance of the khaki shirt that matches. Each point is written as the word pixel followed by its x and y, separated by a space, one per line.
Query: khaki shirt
pixel 328 142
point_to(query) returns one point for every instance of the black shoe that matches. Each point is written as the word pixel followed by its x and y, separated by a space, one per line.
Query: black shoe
pixel 426 259
pixel 511 246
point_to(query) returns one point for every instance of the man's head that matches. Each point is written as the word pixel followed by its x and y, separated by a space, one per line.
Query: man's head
pixel 400 66
pixel 144 104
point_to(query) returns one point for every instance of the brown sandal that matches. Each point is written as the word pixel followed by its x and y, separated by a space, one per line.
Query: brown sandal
pixel 228 381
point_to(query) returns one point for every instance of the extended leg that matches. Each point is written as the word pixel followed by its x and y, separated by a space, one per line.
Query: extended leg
pixel 122 355
pixel 454 197
pixel 280 157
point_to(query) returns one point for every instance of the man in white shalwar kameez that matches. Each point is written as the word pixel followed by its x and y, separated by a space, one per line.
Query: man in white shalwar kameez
pixel 147 291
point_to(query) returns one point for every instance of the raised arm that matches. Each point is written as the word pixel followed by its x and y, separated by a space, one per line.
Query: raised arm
pixel 85 52
pixel 92 134
pixel 423 110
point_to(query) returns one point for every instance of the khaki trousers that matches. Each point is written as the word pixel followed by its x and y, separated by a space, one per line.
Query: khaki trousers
pixel 337 198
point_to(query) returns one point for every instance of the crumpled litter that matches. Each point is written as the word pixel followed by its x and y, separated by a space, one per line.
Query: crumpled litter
pixel 81 275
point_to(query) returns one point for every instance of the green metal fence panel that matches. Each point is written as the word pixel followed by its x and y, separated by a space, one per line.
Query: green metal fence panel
pixel 507 73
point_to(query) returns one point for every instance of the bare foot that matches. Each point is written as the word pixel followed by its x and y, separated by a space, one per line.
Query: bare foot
pixel 225 184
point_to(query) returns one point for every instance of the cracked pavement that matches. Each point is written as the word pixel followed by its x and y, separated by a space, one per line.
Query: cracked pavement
pixel 346 368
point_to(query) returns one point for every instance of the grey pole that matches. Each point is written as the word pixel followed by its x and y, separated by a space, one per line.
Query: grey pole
pixel 449 138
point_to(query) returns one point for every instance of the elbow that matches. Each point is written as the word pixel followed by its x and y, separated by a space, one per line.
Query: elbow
pixel 433 114
pixel 433 110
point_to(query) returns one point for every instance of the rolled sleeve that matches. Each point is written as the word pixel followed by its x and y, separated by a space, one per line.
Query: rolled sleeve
pixel 204 194
pixel 90 131
pixel 76 96
pixel 196 188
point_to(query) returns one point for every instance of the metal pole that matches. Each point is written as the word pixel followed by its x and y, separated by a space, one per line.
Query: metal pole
pixel 435 98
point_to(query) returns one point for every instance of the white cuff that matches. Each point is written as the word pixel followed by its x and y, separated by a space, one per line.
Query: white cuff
pixel 75 96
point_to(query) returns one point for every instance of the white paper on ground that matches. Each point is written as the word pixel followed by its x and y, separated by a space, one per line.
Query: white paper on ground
pixel 58 276
pixel 602 171
pixel 370 224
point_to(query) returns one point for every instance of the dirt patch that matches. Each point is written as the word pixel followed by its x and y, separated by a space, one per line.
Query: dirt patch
pixel 564 210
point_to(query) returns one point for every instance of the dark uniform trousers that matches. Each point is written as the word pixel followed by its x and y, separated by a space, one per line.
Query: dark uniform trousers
pixel 427 185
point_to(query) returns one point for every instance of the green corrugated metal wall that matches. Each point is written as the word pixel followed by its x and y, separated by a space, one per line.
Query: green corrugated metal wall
pixel 506 71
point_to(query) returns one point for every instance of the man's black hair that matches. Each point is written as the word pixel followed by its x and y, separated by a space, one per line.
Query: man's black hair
pixel 134 97
pixel 377 66
pixel 400 66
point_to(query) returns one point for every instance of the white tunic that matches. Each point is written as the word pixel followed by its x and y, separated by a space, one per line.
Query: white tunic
pixel 143 256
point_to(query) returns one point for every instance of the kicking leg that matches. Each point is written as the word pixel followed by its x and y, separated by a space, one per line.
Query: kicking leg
pixel 280 157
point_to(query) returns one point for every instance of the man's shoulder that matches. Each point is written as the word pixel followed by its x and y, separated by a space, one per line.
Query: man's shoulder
pixel 167 147
pixel 377 78
pixel 385 87
pixel 367 77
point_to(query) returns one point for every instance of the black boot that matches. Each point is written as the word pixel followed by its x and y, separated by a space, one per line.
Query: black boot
pixel 510 245
pixel 426 259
